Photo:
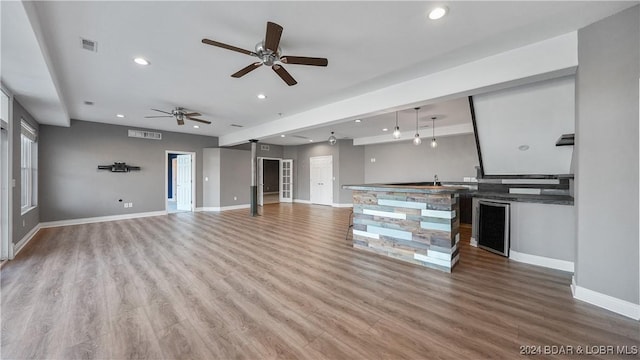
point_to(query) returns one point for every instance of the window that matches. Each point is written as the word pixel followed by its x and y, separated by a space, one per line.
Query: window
pixel 29 166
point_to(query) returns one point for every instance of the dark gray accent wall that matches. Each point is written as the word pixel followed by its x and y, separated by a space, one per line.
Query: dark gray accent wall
pixel 71 187
pixel 22 224
pixel 455 158
pixel 606 162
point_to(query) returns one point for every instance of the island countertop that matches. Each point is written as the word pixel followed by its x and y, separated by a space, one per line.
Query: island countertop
pixel 413 188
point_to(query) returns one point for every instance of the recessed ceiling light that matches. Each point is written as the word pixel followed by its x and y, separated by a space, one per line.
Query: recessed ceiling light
pixel 283 135
pixel 358 120
pixel 141 61
pixel 385 129
pixel 310 140
pixel 196 127
pixel 262 96
pixel 119 115
pixel 438 13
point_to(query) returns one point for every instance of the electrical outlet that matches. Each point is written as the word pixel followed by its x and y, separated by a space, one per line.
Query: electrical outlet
pixel 126 205
pixel 24 223
pixel 130 204
pixel 235 198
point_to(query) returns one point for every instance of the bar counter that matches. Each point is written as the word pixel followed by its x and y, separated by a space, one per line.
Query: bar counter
pixel 413 223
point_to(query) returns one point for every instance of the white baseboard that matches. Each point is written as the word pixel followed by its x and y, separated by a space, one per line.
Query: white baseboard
pixel 97 219
pixel 25 240
pixel 224 208
pixel 342 205
pixel 542 261
pixel 610 303
pixel 473 242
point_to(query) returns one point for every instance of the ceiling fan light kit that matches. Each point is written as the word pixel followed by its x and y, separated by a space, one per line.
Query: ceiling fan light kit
pixel 269 53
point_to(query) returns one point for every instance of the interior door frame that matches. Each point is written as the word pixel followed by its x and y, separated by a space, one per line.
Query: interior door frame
pixel 9 175
pixel 331 179
pixel 260 170
pixel 166 180
pixel 281 187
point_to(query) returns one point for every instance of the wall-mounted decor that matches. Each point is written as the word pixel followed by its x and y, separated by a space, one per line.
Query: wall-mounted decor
pixel 118 167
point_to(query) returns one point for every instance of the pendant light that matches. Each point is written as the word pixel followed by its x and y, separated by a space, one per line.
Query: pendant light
pixel 332 139
pixel 396 131
pixel 434 143
pixel 416 139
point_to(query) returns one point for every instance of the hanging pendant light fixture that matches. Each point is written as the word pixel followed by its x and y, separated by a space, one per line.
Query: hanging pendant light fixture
pixel 332 139
pixel 434 143
pixel 416 139
pixel 396 131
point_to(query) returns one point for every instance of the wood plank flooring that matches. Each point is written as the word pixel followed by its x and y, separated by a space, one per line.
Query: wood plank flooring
pixel 283 285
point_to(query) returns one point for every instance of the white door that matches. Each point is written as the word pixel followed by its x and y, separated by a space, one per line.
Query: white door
pixel 260 181
pixel 321 176
pixel 286 180
pixel 183 183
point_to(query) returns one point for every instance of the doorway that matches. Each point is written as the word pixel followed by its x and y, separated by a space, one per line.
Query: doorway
pixel 4 191
pixel 321 180
pixel 275 180
pixel 180 186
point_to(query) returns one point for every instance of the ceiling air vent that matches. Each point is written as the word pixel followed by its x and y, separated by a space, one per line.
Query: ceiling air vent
pixel 145 134
pixel 89 45
pixel 236 125
pixel 264 147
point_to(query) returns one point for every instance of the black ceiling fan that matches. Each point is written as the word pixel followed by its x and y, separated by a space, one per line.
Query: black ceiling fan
pixel 180 114
pixel 269 53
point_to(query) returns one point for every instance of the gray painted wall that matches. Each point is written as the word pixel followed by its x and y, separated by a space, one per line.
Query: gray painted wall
pixel 275 151
pixel 235 177
pixel 211 177
pixel 22 224
pixel 455 158
pixel 607 156
pixel 301 155
pixel 71 187
pixel 351 166
pixel 226 174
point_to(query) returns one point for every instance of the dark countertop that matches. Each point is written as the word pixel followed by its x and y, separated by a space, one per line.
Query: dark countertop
pixel 413 188
pixel 540 199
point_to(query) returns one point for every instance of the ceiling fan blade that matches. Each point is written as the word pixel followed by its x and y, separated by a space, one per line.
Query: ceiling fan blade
pixel 272 39
pixel 227 46
pixel 199 120
pixel 246 70
pixel 162 111
pixel 161 116
pixel 301 60
pixel 192 114
pixel 284 74
pixel 180 121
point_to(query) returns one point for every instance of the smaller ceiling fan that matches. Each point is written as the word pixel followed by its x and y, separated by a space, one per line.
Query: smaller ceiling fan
pixel 180 114
pixel 269 53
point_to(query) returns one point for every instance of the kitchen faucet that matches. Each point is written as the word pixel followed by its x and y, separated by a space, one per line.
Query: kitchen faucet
pixel 435 180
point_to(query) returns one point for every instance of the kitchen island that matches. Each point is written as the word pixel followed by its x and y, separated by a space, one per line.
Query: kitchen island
pixel 413 223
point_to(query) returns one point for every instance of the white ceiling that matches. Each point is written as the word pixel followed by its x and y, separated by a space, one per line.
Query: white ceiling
pixel 369 45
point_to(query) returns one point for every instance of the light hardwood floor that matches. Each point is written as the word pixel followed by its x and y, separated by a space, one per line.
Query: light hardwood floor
pixel 282 285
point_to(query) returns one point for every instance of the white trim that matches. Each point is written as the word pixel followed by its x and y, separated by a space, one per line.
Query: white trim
pixel 342 205
pixel 98 219
pixel 563 265
pixel 223 208
pixel 473 242
pixel 301 201
pixel 610 303
pixel 25 240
